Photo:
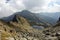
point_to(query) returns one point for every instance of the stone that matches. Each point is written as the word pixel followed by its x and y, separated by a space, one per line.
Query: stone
pixel 23 39
pixel 29 38
pixel 10 38
pixel 51 38
pixel 35 39
pixel 58 34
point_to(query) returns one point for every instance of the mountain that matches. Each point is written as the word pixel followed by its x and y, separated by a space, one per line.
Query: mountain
pixel 55 15
pixel 19 29
pixel 47 19
pixel 20 22
pixel 31 17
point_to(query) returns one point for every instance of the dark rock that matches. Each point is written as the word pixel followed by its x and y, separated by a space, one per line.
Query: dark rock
pixel 57 34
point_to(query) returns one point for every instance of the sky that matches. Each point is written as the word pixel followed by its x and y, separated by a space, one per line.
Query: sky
pixel 8 7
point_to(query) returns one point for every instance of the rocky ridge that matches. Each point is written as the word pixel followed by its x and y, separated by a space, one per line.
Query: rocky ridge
pixel 20 29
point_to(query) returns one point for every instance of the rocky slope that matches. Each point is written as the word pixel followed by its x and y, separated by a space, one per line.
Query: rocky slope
pixel 52 33
pixel 19 29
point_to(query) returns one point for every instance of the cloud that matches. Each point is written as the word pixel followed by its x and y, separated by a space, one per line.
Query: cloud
pixel 48 6
pixel 57 2
pixel 11 6
pixel 29 4
pixel 6 9
pixel 32 5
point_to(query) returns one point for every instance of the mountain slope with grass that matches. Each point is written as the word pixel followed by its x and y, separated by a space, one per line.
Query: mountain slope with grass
pixel 19 28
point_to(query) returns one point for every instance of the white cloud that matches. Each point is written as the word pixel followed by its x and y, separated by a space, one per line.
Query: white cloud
pixel 0 8
pixel 9 8
pixel 54 7
pixel 33 5
pixel 6 9
pixel 29 4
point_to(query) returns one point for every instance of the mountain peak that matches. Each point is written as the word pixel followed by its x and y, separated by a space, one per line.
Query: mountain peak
pixel 26 11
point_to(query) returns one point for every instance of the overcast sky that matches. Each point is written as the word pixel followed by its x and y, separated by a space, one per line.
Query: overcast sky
pixel 8 7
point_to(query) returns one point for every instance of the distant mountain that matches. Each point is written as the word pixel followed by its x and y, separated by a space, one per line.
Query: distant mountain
pixel 29 16
pixel 47 19
pixel 26 14
pixel 33 18
pixel 52 15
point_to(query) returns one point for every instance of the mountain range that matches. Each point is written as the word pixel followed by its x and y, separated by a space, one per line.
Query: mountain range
pixel 55 15
pixel 19 27
pixel 36 18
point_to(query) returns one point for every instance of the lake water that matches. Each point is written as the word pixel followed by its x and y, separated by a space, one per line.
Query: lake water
pixel 38 27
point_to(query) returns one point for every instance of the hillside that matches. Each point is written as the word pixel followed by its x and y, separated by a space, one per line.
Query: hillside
pixel 55 16
pixel 31 17
pixel 47 19
pixel 52 33
pixel 19 28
